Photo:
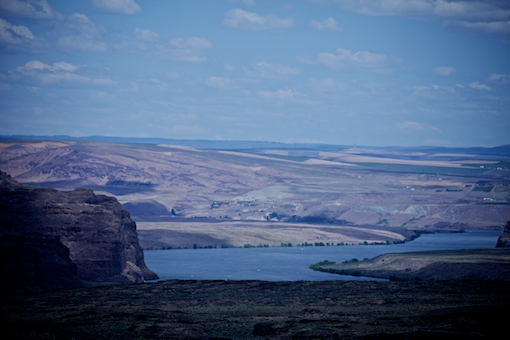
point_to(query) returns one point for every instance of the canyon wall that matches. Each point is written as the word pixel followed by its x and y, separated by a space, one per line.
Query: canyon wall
pixel 504 239
pixel 57 239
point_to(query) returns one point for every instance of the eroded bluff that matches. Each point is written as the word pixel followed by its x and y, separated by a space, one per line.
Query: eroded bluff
pixel 60 239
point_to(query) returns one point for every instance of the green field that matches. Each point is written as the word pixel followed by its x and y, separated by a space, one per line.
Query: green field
pixel 289 158
pixel 421 168
pixel 502 164
pixel 484 189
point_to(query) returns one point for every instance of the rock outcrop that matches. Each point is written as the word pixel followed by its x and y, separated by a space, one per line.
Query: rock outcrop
pixel 504 239
pixel 57 239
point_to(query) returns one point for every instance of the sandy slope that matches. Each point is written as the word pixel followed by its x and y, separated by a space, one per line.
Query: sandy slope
pixel 239 233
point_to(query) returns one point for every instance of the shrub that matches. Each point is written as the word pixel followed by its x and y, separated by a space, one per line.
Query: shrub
pixel 351 261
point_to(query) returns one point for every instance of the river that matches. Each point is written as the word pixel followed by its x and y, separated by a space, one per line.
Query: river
pixel 291 263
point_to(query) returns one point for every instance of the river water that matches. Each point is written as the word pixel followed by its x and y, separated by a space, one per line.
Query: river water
pixel 291 263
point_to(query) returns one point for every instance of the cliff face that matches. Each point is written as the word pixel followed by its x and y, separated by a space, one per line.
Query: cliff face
pixel 98 233
pixel 504 239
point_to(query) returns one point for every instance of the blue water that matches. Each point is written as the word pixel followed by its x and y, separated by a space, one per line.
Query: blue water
pixel 291 263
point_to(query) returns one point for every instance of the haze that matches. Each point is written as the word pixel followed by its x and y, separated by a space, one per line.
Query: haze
pixel 403 73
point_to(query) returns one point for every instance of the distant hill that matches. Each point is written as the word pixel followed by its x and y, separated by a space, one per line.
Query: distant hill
pixel 379 187
pixel 502 150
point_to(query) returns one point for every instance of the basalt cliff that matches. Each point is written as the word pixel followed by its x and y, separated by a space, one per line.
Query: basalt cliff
pixel 61 239
pixel 504 239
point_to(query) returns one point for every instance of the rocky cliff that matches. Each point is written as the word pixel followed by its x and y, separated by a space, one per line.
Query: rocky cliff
pixel 55 239
pixel 504 239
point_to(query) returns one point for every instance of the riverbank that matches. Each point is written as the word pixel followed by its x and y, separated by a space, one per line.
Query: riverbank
pixel 464 264
pixel 189 234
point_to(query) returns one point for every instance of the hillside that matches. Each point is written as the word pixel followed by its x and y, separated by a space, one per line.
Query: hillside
pixel 391 188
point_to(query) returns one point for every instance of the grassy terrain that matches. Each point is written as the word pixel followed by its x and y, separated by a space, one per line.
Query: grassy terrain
pixel 472 264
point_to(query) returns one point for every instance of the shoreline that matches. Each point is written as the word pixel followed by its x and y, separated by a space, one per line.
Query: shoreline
pixel 417 234
pixel 464 264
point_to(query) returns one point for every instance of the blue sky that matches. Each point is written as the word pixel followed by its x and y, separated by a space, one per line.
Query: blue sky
pixel 377 73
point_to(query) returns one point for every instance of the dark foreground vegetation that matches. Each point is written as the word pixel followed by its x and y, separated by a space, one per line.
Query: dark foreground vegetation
pixel 256 309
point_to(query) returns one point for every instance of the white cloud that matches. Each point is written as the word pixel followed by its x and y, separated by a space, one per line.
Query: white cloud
pixel 79 33
pixel 500 28
pixel 482 10
pixel 140 42
pixel 158 83
pixel 229 67
pixel 83 43
pixel 123 7
pixel 473 16
pixel 34 9
pixel 182 49
pixel 478 86
pixel 145 35
pixel 220 83
pixel 192 56
pixel 272 71
pixel 363 60
pixel 237 18
pixel 327 25
pixel 103 81
pixel 500 78
pixel 35 65
pixel 185 49
pixel 418 127
pixel 61 73
pixel 102 96
pixel 80 23
pixel 191 43
pixel 19 39
pixel 246 3
pixel 172 75
pixel 436 91
pixel 327 85
pixel 194 129
pixel 444 70
pixel 14 34
pixel 49 74
pixel 285 95
pixel 5 86
pixel 437 142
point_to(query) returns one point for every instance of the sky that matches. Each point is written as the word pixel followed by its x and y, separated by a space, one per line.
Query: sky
pixel 349 72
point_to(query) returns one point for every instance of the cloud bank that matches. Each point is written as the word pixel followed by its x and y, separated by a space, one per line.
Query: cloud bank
pixel 237 18
pixel 328 25
pixel 360 60
pixel 122 7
